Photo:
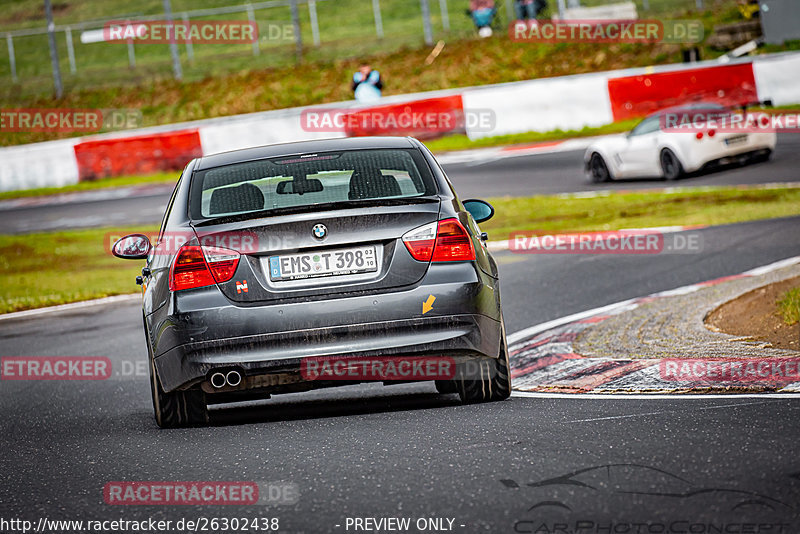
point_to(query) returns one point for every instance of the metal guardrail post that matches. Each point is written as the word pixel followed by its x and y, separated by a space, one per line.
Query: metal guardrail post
pixel 298 38
pixel 51 37
pixel 131 54
pixel 70 50
pixel 251 16
pixel 189 45
pixel 376 12
pixel 173 46
pixel 426 22
pixel 561 8
pixel 445 15
pixel 312 15
pixel 12 58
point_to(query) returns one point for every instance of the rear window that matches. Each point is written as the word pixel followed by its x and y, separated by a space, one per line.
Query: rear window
pixel 308 180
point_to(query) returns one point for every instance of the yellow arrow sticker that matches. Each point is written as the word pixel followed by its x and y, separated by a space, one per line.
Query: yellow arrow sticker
pixel 428 304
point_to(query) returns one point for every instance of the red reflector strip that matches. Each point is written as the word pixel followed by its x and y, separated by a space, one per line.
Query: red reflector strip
pixel 420 250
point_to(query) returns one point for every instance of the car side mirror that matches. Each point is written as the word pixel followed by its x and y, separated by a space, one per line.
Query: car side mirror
pixel 132 247
pixel 479 209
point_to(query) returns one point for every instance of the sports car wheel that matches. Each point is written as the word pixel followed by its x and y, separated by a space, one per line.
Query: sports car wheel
pixel 599 169
pixel 670 165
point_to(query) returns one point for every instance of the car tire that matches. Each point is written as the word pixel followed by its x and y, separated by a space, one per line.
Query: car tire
pixel 495 381
pixel 762 157
pixel 178 408
pixel 599 169
pixel 671 167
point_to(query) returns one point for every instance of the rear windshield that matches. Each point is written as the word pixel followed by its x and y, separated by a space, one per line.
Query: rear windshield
pixel 300 182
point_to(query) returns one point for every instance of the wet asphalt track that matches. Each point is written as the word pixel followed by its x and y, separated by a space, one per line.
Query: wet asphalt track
pixel 559 172
pixel 542 464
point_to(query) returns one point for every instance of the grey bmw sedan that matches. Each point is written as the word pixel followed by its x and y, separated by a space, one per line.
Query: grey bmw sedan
pixel 285 268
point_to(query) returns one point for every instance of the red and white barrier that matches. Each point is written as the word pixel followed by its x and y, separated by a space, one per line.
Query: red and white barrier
pixel 566 103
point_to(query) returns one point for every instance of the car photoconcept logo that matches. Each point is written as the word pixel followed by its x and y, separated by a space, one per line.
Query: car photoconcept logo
pixel 320 231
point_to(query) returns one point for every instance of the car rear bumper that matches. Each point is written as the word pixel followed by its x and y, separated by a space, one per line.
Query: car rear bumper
pixel 202 331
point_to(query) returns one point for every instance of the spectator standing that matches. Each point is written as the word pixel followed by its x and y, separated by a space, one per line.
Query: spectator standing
pixel 367 84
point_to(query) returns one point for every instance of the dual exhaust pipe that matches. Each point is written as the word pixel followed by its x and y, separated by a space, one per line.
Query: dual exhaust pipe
pixel 231 378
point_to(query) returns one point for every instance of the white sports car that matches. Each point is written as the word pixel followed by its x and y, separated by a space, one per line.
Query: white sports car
pixel 650 151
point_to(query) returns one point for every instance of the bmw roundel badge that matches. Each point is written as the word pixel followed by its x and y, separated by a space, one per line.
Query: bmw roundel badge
pixel 320 231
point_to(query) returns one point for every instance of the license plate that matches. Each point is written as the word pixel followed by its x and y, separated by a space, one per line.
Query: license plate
pixel 326 263
pixel 736 140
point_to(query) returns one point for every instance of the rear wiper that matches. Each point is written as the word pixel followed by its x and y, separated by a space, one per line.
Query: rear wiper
pixel 345 204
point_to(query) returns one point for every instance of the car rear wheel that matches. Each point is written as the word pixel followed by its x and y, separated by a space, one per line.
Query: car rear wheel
pixel 598 169
pixel 178 408
pixel 762 156
pixel 494 383
pixel 670 165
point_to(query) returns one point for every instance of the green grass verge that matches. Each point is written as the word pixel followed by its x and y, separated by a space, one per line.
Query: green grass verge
pixel 38 269
pixel 106 183
pixel 567 213
pixel 55 268
pixel 789 306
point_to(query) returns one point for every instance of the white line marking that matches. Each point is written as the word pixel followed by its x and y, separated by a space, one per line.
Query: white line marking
pixel 537 329
pixel 70 306
pixel 652 396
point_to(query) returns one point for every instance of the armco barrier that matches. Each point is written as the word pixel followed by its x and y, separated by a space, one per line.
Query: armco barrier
pixel 145 154
pixel 49 164
pixel 777 79
pixel 446 114
pixel 636 96
pixel 543 105
pixel 570 102
pixel 280 126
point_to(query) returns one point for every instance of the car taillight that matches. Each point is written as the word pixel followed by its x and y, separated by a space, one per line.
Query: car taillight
pixel 452 242
pixel 699 135
pixel 196 266
pixel 446 240
pixel 420 241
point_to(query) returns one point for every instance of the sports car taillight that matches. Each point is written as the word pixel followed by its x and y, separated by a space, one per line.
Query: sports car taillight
pixel 446 240
pixel 196 266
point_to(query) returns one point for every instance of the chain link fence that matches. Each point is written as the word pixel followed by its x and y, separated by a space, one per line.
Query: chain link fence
pixel 328 30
